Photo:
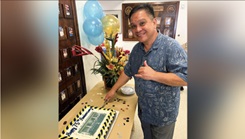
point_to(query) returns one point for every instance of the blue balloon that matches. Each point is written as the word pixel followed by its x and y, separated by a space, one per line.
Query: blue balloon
pixel 96 40
pixel 93 9
pixel 92 27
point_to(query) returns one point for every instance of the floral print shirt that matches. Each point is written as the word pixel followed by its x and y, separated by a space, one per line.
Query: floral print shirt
pixel 159 103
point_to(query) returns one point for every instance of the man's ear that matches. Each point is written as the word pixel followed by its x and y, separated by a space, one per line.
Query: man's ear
pixel 155 21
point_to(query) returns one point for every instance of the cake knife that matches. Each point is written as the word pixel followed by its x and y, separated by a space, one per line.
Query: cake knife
pixel 105 102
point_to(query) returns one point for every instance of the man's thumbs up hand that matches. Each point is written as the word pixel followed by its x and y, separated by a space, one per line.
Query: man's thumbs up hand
pixel 145 72
pixel 145 64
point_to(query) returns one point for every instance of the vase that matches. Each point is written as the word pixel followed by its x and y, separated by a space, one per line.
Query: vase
pixel 108 83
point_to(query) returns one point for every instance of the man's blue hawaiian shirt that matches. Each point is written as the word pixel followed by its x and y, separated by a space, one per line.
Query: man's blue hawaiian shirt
pixel 159 103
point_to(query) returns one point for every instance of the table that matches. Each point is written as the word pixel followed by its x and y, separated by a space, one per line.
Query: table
pixel 126 106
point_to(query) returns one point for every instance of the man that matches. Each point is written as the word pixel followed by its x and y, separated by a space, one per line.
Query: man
pixel 159 66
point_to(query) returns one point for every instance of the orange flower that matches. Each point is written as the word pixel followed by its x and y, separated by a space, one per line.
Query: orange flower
pixel 110 66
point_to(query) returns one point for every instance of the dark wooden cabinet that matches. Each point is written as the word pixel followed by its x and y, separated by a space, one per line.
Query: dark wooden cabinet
pixel 72 85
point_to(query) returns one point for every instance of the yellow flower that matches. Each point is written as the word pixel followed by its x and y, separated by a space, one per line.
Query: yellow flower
pixel 114 59
pixel 123 59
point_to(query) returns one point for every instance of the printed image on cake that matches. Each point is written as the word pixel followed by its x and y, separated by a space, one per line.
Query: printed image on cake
pixel 90 123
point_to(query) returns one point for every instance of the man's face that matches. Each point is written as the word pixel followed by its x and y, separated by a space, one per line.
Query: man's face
pixel 143 26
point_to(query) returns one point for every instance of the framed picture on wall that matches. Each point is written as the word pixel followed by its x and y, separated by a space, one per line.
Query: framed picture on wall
pixel 60 77
pixel 78 84
pixel 76 68
pixel 117 14
pixel 67 11
pixel 70 89
pixel 70 32
pixel 62 33
pixel 167 21
pixel 65 53
pixel 68 72
pixel 166 14
pixel 63 96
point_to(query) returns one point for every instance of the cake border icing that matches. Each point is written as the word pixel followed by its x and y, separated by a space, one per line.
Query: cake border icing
pixel 110 119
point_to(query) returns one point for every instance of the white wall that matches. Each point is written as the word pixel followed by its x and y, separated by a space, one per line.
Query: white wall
pixel 181 31
pixel 92 79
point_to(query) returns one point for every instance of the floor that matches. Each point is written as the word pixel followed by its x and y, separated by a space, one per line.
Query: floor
pixel 181 123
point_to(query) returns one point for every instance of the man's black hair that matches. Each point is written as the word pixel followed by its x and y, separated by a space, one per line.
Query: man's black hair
pixel 145 6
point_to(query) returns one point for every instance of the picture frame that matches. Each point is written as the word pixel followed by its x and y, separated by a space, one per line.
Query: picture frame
pixel 117 14
pixel 78 84
pixel 62 33
pixel 166 14
pixel 70 89
pixel 68 72
pixel 65 54
pixel 166 32
pixel 61 12
pixel 159 19
pixel 59 77
pixel 67 10
pixel 167 21
pixel 63 96
pixel 70 32
pixel 76 68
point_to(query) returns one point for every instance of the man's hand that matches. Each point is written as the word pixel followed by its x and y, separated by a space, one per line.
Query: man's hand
pixel 109 95
pixel 123 79
pixel 145 72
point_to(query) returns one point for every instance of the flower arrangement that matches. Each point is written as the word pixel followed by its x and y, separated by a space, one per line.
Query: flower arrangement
pixel 112 62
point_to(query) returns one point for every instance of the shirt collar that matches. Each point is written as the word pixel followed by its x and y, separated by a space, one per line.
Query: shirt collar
pixel 155 44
